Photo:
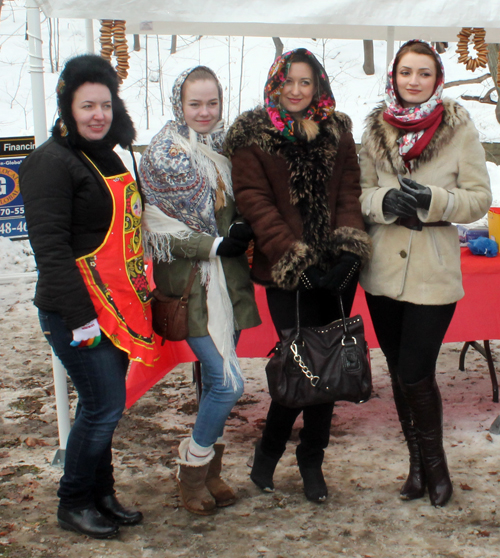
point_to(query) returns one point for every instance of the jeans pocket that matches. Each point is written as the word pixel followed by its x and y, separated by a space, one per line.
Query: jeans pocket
pixel 45 325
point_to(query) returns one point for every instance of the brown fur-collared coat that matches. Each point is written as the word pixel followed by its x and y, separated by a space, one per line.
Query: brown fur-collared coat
pixel 301 198
pixel 422 267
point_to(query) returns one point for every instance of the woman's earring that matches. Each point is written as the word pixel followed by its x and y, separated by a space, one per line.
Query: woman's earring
pixel 64 130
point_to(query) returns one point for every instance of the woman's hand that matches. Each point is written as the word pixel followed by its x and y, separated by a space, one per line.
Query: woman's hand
pixel 241 230
pixel 422 194
pixel 338 278
pixel 231 247
pixel 88 335
pixel 310 279
pixel 399 203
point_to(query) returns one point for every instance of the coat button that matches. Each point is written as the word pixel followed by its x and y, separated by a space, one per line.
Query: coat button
pixel 403 254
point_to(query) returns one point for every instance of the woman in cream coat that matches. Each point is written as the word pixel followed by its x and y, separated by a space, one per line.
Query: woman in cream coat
pixel 413 280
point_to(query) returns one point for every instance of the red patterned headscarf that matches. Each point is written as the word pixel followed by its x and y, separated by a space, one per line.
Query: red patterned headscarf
pixel 419 122
pixel 322 105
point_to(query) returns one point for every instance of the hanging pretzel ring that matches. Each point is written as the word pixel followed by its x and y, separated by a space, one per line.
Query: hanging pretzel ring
pixel 472 38
pixel 113 40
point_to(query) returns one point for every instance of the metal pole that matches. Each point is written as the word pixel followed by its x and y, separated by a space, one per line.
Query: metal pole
pixel 390 45
pixel 62 407
pixel 89 36
pixel 36 71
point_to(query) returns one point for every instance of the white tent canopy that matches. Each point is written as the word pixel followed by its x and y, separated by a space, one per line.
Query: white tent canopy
pixel 433 20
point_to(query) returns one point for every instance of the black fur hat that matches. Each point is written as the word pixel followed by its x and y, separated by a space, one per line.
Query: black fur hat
pixel 91 68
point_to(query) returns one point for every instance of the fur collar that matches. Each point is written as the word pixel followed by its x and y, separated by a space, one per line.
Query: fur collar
pixel 310 165
pixel 380 137
pixel 255 127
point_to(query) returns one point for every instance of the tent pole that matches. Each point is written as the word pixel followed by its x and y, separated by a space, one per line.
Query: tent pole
pixel 36 71
pixel 62 407
pixel 390 45
pixel 89 36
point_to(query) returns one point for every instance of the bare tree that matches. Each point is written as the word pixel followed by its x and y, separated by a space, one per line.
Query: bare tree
pixel 493 53
pixel 487 97
pixel 369 63
pixel 279 47
pixel 241 72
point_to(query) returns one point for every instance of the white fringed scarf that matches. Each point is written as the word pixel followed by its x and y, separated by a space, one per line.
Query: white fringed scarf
pixel 159 230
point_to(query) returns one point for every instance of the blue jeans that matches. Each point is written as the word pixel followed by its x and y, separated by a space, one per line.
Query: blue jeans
pixel 217 399
pixel 98 375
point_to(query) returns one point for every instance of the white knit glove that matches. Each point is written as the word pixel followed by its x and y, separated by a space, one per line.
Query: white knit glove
pixel 88 335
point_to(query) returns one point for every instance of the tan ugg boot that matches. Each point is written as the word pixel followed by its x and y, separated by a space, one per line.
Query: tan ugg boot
pixel 191 480
pixel 224 495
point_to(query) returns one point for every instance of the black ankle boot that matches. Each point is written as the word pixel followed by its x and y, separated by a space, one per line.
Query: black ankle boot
pixel 263 470
pixel 87 522
pixel 111 508
pixel 315 487
pixel 426 408
pixel 414 486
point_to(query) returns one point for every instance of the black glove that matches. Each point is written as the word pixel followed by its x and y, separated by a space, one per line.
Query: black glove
pixel 231 248
pixel 422 194
pixel 241 230
pixel 399 203
pixel 310 278
pixel 341 274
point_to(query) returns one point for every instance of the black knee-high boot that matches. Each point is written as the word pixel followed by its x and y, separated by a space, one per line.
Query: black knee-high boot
pixel 263 469
pixel 414 486
pixel 424 400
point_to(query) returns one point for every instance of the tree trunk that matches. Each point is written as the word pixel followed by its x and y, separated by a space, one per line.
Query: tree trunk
pixel 493 66
pixel 369 63
pixel 279 47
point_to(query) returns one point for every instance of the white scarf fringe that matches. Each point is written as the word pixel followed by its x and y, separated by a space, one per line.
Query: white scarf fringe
pixel 159 229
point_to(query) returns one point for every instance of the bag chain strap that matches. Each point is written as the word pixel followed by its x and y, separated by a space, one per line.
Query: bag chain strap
pixel 293 347
pixel 298 359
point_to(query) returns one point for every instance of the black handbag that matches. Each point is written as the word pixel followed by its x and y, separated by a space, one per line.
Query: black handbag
pixel 314 365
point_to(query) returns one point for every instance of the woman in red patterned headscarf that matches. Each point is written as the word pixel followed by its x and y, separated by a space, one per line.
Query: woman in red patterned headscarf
pixel 296 181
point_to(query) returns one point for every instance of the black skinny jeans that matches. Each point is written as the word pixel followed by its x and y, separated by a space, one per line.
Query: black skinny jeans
pixel 317 307
pixel 410 335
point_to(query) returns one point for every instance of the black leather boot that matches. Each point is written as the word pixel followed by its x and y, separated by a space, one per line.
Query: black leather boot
pixel 111 508
pixel 88 522
pixel 424 400
pixel 315 487
pixel 263 469
pixel 414 486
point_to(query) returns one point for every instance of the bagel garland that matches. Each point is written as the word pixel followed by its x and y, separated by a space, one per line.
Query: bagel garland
pixel 472 36
pixel 113 40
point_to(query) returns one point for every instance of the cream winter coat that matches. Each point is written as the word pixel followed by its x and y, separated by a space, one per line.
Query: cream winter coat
pixel 422 267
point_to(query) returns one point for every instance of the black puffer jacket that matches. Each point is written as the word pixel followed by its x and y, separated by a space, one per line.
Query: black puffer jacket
pixel 68 213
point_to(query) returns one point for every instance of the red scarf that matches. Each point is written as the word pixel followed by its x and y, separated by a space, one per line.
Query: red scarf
pixel 429 124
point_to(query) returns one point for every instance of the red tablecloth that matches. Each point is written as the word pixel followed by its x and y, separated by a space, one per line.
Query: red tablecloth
pixel 477 317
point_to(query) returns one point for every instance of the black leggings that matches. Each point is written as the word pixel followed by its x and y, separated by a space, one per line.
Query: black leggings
pixel 410 335
pixel 317 307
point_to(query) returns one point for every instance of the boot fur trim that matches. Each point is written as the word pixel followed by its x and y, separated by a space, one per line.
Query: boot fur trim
pixel 183 449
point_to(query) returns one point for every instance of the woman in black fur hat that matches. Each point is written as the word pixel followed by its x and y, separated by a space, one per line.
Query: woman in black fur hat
pixel 296 181
pixel 83 211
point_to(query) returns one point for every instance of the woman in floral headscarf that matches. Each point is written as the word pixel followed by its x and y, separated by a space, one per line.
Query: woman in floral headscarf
pixel 422 168
pixel 296 181
pixel 191 222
